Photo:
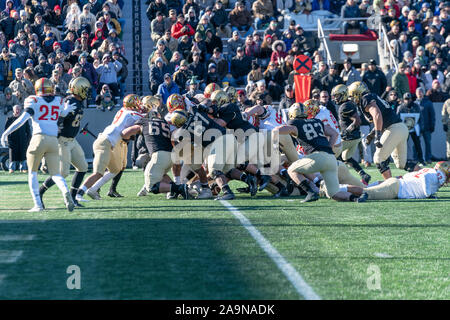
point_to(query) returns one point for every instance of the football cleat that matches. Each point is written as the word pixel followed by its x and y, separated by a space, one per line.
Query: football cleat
pixel 94 194
pixel 264 182
pixel 310 197
pixel 36 209
pixel 143 192
pixel 252 185
pixel 69 201
pixel 226 196
pixel 79 198
pixel 77 204
pixel 283 192
pixel 171 196
pixel 366 178
pixel 362 198
pixel 114 194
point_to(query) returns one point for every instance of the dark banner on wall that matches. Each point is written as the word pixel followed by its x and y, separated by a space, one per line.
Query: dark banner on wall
pixel 137 48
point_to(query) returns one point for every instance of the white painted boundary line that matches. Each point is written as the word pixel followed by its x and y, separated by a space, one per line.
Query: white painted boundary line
pixel 10 256
pixel 382 255
pixel 17 237
pixel 285 267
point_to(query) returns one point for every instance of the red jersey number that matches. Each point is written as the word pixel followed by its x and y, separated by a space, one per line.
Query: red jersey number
pixel 54 113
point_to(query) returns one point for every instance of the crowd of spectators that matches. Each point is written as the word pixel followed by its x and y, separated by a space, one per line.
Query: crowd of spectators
pixel 61 40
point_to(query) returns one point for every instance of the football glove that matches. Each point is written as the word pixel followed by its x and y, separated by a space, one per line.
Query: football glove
pixel 377 142
pixel 445 127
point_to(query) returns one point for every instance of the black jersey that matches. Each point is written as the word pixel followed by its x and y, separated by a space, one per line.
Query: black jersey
pixel 202 128
pixel 156 134
pixel 231 114
pixel 69 126
pixel 387 113
pixel 311 136
pixel 347 110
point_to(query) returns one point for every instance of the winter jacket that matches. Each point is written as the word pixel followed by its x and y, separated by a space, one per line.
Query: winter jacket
pixel 159 27
pixel 108 73
pixel 240 66
pixel 165 91
pixel 262 9
pixel 220 17
pixel 427 114
pixel 352 76
pixel 400 84
pixel 240 18
pixel 88 71
pixel 157 75
pixel 221 65
pixel 177 30
pixel 153 8
pixel 375 81
pixel 8 68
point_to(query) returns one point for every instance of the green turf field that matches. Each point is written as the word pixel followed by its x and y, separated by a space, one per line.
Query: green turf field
pixel 152 248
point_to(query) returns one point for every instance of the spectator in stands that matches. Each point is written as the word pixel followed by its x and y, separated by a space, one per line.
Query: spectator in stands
pixel 185 46
pixel 87 18
pixel 18 142
pixel 375 79
pixel 59 84
pixel 412 80
pixel 349 74
pixel 154 7
pixel 198 69
pixel 158 26
pixel 234 42
pixel 273 30
pixel 198 45
pixel 174 63
pixel 167 88
pixel 261 93
pixel 251 48
pixel 412 32
pixel 266 50
pixel 240 67
pixel 181 28
pixel 191 18
pixel 107 72
pixel 220 16
pixel 171 43
pixel 8 66
pixel 274 80
pixel 278 52
pixel 400 80
pixel 241 19
pixel 435 94
pixel 174 4
pixel 255 74
pixel 288 98
pixel 325 101
pixel 287 66
pixel 203 26
pixel 193 88
pixel 263 12
pixel 212 75
pixel 72 21
pixel 21 87
pixel 212 41
pixel 428 122
pixel 105 100
pixel 351 10
pixel 172 18
pixel 21 50
pixel 433 74
pixel 182 75
pixel 96 6
pixel 219 60
pixel 332 79
pixel 8 100
pixel 288 39
pixel 242 100
pixel 157 72
pixel 191 4
pixel 161 50
pixel 21 23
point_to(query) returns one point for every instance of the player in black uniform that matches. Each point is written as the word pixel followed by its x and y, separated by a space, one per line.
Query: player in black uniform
pixel 349 121
pixel 197 135
pixel 69 149
pixel 229 115
pixel 312 135
pixel 391 134
pixel 157 137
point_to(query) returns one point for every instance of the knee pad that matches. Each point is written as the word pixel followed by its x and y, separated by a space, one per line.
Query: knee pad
pixel 410 165
pixel 215 174
pixel 243 166
pixel 383 166
pixel 155 188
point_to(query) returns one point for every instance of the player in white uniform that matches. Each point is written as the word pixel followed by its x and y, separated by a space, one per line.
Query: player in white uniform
pixel 44 109
pixel 110 151
pixel 317 111
pixel 420 184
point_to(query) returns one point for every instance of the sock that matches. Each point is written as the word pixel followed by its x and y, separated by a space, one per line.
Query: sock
pixel 61 183
pixel 33 183
pixel 279 185
pixel 177 180
pixel 174 188
pixel 46 185
pixel 108 176
pixel 82 191
pixel 305 186
pixel 115 181
pixel 226 189
pixel 76 181
pixel 355 165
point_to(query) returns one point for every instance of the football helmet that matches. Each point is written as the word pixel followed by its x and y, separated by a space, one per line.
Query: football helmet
pixel 232 93
pixel 297 110
pixel 219 98
pixel 132 102
pixel 175 102
pixel 178 118
pixel 356 90
pixel 44 87
pixel 444 166
pixel 312 108
pixel 80 87
pixel 339 94
pixel 147 104
pixel 210 88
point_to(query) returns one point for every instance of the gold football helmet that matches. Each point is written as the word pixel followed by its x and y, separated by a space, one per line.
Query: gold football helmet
pixel 210 88
pixel 232 93
pixel 44 87
pixel 80 87
pixel 178 118
pixel 175 102
pixel 444 166
pixel 339 94
pixel 356 90
pixel 147 104
pixel 219 98
pixel 312 108
pixel 132 102
pixel 297 110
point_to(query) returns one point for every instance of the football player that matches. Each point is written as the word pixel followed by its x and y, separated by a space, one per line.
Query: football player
pixel 349 122
pixel 157 134
pixel 421 184
pixel 312 136
pixel 69 148
pixel 44 109
pixel 391 134
pixel 110 150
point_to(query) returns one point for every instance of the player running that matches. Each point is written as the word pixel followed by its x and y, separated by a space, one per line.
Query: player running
pixel 44 109
pixel 70 150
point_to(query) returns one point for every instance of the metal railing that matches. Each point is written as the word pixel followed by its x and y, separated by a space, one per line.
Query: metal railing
pixel 387 50
pixel 322 38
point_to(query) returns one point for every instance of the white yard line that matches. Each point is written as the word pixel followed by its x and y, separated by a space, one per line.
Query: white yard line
pixel 10 256
pixel 382 255
pixel 17 237
pixel 285 267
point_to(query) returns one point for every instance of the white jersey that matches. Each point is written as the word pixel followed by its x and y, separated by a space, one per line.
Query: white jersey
pixel 44 115
pixel 123 119
pixel 273 120
pixel 327 117
pixel 420 184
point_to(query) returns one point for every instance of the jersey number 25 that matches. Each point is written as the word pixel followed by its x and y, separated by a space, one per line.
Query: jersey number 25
pixel 54 113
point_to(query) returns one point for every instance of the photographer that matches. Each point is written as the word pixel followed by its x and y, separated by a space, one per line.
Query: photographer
pixel 107 72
